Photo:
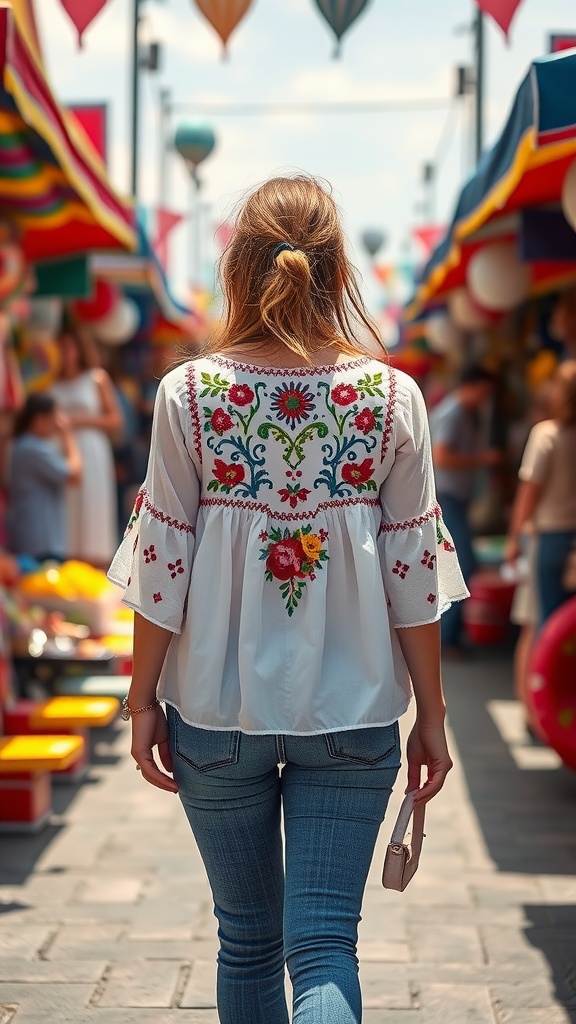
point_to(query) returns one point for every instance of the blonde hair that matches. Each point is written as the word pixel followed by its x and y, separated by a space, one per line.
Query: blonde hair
pixel 565 402
pixel 306 297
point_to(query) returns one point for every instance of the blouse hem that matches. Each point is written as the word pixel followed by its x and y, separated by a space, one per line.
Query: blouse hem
pixel 435 618
pixel 288 732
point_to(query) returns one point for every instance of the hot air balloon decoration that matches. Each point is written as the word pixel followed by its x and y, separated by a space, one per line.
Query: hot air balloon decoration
pixel 223 15
pixel 82 13
pixel 340 14
pixel 373 239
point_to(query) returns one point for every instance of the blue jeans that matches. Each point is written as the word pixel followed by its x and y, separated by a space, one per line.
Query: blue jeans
pixel 553 551
pixel 333 790
pixel 455 515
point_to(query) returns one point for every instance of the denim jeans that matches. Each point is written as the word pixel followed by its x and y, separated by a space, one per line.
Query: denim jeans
pixel 553 551
pixel 455 515
pixel 300 906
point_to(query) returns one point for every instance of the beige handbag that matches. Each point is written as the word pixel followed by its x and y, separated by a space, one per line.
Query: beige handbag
pixel 403 853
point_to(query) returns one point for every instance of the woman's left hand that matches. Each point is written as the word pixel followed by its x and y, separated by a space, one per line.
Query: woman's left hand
pixel 149 730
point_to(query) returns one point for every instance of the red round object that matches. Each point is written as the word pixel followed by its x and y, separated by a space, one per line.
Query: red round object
pixel 486 613
pixel 552 689
pixel 101 303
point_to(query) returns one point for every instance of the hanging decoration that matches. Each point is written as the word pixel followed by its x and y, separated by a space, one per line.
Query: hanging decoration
pixel 82 13
pixel 464 311
pixel 223 15
pixel 340 14
pixel 497 279
pixel 373 239
pixel 120 325
pixel 99 305
pixel 502 11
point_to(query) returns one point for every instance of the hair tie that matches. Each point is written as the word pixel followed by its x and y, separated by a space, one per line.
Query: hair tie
pixel 284 245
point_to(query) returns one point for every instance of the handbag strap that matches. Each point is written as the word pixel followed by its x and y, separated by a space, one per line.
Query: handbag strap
pixel 408 810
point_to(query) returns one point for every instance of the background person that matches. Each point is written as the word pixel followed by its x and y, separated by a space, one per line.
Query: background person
pixel 546 495
pixel 41 470
pixel 272 579
pixel 87 395
pixel 459 451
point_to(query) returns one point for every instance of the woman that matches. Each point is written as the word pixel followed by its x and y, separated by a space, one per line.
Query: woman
pixel 286 532
pixel 44 465
pixel 87 396
pixel 546 495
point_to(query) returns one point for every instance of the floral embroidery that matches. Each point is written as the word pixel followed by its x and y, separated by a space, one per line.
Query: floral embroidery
pixel 157 597
pixel 359 475
pixel 411 524
pixel 344 394
pixel 135 512
pixel 401 569
pixel 368 419
pixel 441 539
pixel 431 598
pixel 292 403
pixel 150 554
pixel 286 517
pixel 293 493
pixel 293 559
pixel 217 420
pixel 428 559
pixel 215 386
pixel 175 568
pixel 371 385
pixel 227 476
pixel 241 394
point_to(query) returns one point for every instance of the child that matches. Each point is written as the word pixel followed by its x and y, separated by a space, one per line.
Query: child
pixel 39 472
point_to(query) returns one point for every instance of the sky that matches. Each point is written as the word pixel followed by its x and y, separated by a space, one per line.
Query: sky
pixel 283 52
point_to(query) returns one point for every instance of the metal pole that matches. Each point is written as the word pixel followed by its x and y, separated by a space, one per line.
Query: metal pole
pixel 197 230
pixel 135 99
pixel 163 141
pixel 479 95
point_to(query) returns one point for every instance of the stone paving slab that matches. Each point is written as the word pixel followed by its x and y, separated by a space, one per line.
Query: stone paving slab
pixel 108 917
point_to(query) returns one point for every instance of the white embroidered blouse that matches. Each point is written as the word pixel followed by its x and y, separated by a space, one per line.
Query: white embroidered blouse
pixel 288 522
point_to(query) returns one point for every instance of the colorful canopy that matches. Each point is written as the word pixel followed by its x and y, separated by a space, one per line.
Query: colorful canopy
pixel 53 185
pixel 524 170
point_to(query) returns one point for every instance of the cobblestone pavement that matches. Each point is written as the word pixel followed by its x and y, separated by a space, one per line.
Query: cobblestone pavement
pixel 107 915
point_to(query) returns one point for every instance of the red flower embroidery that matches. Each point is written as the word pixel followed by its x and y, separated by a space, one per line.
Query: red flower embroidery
pixel 293 494
pixel 428 560
pixel 241 394
pixel 400 569
pixel 150 554
pixel 263 535
pixel 285 558
pixel 431 598
pixel 344 394
pixel 175 568
pixel 323 534
pixel 293 403
pixel 448 546
pixel 138 502
pixel 365 421
pixel 221 421
pixel 357 473
pixel 157 597
pixel 228 475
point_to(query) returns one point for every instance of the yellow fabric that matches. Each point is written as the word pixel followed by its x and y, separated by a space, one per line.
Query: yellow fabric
pixel 38 753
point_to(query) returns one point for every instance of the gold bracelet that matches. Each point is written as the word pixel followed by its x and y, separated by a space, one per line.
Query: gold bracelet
pixel 127 711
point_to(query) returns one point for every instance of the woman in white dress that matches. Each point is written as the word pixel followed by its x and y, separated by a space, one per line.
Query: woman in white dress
pixel 86 394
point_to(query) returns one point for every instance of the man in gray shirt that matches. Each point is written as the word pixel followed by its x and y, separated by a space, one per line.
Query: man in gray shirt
pixel 39 472
pixel 458 452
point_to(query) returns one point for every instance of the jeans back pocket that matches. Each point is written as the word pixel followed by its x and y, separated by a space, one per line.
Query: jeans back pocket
pixel 369 746
pixel 204 749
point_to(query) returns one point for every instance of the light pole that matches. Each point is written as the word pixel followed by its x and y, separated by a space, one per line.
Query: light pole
pixel 149 59
pixel 479 94
pixel 163 133
pixel 195 141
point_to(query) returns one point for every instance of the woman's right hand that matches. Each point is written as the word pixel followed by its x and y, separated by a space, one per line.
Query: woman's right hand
pixel 427 748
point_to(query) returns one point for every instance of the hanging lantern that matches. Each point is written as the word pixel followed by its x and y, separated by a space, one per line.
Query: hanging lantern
pixel 82 13
pixel 340 14
pixel 120 326
pixel 194 141
pixel 464 311
pixel 442 334
pixel 373 239
pixel 99 305
pixel 496 277
pixel 223 15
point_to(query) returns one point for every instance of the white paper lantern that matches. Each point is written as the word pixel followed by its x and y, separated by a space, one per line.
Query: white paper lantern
pixel 442 334
pixel 464 312
pixel 569 195
pixel 497 279
pixel 120 325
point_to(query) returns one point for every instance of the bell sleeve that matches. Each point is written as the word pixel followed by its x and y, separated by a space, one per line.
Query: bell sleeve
pixel 420 567
pixel 154 561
